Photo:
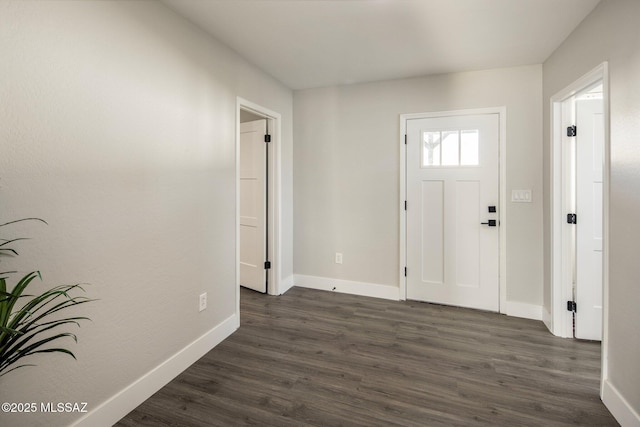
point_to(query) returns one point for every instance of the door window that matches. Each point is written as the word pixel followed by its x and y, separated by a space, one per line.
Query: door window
pixel 450 148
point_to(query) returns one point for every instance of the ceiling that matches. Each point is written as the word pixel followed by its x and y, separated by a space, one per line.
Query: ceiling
pixel 314 43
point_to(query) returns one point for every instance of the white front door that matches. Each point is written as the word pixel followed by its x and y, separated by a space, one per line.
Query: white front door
pixel 452 202
pixel 589 193
pixel 253 205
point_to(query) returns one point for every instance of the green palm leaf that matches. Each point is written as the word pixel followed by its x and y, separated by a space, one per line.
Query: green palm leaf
pixel 31 323
pixel 23 331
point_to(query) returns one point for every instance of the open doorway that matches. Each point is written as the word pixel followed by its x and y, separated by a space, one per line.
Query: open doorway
pixel 257 198
pixel 588 161
pixel 580 147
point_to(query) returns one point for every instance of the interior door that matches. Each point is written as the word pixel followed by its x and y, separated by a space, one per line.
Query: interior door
pixel 253 171
pixel 452 202
pixel 589 208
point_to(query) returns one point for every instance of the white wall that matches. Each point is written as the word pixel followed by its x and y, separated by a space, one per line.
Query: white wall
pixel 346 172
pixel 610 33
pixel 117 126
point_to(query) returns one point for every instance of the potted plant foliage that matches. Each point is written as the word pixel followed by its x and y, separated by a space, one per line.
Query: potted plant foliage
pixel 32 323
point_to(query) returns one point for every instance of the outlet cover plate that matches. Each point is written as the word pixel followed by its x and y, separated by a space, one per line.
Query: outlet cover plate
pixel 203 302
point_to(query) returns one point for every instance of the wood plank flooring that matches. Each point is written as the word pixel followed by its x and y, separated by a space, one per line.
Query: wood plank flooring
pixel 314 358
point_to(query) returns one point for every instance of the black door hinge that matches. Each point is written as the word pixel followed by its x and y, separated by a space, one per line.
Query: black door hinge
pixel 572 306
pixel 267 138
pixel 405 139
pixel 405 205
pixel 267 265
pixel 572 218
pixel 572 131
pixel 405 272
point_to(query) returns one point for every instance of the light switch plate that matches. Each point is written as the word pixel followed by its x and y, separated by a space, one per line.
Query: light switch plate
pixel 521 196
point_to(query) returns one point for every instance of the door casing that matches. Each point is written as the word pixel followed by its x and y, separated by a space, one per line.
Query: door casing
pixel 502 133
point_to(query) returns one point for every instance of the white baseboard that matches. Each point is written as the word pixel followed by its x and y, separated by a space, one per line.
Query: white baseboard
pixel 285 285
pixel 521 309
pixel 513 308
pixel 348 287
pixel 619 407
pixel 546 319
pixel 119 405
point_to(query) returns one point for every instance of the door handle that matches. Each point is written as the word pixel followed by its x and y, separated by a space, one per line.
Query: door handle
pixel 490 223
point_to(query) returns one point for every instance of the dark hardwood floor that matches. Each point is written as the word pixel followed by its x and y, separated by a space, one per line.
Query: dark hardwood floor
pixel 314 358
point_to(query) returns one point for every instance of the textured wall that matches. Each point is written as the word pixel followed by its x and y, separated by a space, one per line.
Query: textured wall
pixel 117 125
pixel 610 33
pixel 346 171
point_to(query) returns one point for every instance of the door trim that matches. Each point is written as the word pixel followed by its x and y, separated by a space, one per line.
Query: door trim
pixel 502 192
pixel 560 323
pixel 274 191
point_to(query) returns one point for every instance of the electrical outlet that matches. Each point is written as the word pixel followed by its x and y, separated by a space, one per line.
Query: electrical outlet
pixel 338 258
pixel 203 302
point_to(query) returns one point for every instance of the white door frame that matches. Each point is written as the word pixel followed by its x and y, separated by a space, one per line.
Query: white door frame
pixel 502 229
pixel 274 186
pixel 561 289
